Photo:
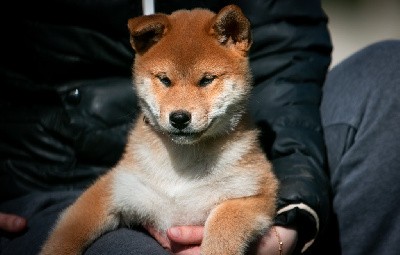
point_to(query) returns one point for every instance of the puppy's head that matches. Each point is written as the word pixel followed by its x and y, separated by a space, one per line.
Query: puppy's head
pixel 191 71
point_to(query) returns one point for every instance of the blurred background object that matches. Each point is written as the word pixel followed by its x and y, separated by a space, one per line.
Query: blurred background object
pixel 355 24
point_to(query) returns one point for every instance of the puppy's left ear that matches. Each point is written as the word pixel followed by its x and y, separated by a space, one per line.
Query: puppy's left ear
pixel 232 28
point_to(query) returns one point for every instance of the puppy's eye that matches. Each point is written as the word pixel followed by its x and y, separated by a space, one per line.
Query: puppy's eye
pixel 164 80
pixel 206 80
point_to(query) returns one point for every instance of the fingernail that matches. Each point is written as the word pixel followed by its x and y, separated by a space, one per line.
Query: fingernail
pixel 176 232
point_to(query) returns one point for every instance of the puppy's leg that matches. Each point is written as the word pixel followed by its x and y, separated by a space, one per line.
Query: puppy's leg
pixel 83 221
pixel 235 223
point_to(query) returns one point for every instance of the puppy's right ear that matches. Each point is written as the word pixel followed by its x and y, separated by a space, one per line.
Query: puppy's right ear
pixel 147 31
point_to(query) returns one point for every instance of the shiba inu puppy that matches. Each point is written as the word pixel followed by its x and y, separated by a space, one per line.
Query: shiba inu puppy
pixel 193 157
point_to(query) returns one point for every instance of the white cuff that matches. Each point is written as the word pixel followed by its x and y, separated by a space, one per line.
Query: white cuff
pixel 310 211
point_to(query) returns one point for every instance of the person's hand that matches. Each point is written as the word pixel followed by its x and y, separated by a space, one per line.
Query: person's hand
pixel 12 223
pixel 269 244
pixel 183 240
pixel 186 240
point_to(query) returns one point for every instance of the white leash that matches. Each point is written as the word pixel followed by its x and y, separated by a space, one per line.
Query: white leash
pixel 148 7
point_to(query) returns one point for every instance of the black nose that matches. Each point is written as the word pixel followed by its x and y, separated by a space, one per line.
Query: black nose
pixel 180 119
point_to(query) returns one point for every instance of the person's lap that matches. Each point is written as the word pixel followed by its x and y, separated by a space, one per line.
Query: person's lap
pixel 42 210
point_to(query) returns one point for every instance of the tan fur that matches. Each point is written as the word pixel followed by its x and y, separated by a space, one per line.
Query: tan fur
pixel 82 222
pixel 210 172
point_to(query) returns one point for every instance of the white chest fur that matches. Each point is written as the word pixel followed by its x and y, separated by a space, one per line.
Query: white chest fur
pixel 168 186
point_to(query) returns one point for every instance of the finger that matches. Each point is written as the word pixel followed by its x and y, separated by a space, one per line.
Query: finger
pixel 12 223
pixel 268 244
pixel 186 235
pixel 161 238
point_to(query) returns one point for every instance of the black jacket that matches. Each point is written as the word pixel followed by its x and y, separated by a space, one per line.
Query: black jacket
pixel 67 101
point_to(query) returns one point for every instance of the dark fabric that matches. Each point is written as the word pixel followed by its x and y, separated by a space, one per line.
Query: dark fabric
pixel 42 210
pixel 66 101
pixel 124 242
pixel 289 58
pixel 63 146
pixel 361 115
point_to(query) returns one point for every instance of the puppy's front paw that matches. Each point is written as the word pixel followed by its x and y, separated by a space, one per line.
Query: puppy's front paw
pixel 218 246
pixel 234 225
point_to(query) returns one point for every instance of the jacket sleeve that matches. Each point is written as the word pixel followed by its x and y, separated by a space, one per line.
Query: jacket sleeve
pixel 67 100
pixel 289 59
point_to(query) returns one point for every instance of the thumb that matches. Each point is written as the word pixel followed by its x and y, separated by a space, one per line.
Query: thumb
pixel 186 235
